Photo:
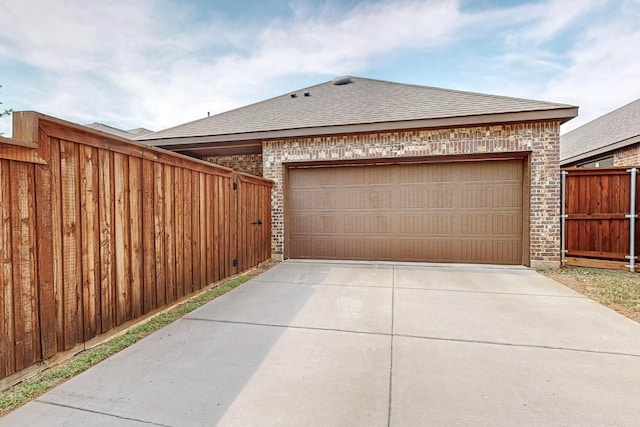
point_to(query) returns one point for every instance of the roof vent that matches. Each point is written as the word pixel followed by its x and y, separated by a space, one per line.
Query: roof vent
pixel 307 94
pixel 343 80
pixel 293 95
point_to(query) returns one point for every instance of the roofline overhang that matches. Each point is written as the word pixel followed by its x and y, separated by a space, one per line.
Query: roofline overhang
pixel 563 115
pixel 600 151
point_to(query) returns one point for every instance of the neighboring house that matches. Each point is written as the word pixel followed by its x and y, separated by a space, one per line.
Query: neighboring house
pixel 609 140
pixel 129 134
pixel 373 170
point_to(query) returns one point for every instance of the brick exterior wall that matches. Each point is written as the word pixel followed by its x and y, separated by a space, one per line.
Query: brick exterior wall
pixel 628 156
pixel 541 139
pixel 247 163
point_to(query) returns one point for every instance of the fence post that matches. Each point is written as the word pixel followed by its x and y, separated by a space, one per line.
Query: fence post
pixel 563 216
pixel 632 221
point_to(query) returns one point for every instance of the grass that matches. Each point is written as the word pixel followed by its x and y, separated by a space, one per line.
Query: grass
pixel 618 290
pixel 31 388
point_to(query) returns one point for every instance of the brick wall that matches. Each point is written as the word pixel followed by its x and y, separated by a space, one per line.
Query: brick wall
pixel 541 139
pixel 628 156
pixel 247 163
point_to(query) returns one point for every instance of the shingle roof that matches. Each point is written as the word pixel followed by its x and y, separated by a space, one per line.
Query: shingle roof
pixel 110 129
pixel 139 131
pixel 363 101
pixel 594 137
pixel 129 134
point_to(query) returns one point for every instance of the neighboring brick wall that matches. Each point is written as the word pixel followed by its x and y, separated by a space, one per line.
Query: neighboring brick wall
pixel 247 163
pixel 628 156
pixel 541 139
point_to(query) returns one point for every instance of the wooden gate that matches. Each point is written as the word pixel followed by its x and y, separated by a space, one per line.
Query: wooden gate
pixel 599 221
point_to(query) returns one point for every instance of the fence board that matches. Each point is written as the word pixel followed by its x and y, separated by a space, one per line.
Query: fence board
pixel 209 225
pixel 205 218
pixel 7 337
pixel 178 185
pixel 196 226
pixel 122 239
pixel 89 241
pixel 158 198
pixel 217 246
pixel 107 240
pixel 122 229
pixel 169 229
pixel 148 231
pixel 71 250
pixel 136 220
pixel 188 241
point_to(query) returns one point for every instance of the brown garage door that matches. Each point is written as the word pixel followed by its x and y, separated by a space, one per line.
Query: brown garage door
pixel 438 212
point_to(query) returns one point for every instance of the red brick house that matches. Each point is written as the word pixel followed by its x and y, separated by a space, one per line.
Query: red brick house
pixel 373 170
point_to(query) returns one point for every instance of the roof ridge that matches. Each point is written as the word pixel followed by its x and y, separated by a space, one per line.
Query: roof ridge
pixel 460 91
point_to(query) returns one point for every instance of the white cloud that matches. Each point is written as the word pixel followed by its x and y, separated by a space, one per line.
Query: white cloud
pixel 157 63
pixel 604 70
pixel 548 19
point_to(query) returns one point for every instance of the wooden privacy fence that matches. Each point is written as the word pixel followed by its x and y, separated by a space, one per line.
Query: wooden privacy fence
pixel 96 231
pixel 599 218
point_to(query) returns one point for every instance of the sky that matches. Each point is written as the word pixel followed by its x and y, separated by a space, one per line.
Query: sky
pixel 161 63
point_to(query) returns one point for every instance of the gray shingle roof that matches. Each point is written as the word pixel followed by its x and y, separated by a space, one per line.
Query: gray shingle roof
pixel 129 134
pixel 139 131
pixel 364 101
pixel 593 138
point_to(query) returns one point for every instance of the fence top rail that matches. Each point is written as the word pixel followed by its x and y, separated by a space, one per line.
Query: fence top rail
pixel 621 170
pixel 17 142
pixel 245 177
pixel 26 125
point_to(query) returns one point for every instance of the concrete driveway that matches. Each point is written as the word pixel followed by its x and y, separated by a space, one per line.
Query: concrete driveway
pixel 343 344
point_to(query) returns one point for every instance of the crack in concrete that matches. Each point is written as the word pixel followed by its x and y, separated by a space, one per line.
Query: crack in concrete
pixel 393 334
pixel 46 402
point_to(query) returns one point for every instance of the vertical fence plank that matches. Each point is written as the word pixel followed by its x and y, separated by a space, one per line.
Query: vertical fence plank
pixel 7 337
pixel 178 186
pixel 222 221
pixel 31 306
pixel 107 239
pixel 56 230
pixel 136 219
pixel 196 226
pixel 18 210
pixel 89 243
pixel 205 218
pixel 233 237
pixel 242 223
pixel 148 231
pixel 46 290
pixel 169 232
pixel 188 242
pixel 217 248
pixel 122 238
pixel 209 226
pixel 70 231
pixel 158 197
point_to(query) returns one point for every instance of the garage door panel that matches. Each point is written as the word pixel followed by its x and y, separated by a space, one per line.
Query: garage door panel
pixel 317 224
pixel 436 224
pixel 445 212
pixel 507 225
pixel 367 225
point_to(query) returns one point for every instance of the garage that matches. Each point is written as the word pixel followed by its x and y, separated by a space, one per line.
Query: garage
pixel 464 211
